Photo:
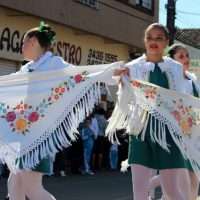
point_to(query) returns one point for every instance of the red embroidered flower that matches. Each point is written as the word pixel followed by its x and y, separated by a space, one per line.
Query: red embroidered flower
pixel 62 90
pixel 33 117
pixel 78 78
pixel 11 116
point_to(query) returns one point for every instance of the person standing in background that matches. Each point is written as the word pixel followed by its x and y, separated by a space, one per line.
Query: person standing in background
pixel 87 136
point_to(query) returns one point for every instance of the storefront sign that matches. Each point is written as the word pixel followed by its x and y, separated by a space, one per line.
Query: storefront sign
pixel 79 53
pixel 10 41
pixel 70 52
pixel 100 57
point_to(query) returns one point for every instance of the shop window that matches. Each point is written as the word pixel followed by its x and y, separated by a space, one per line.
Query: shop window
pixel 90 3
pixel 147 4
pixel 124 1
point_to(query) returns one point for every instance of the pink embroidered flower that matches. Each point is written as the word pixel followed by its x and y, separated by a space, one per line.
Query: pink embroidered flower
pixel 136 84
pixel 56 97
pixel 11 116
pixel 18 106
pixel 78 78
pixel 25 106
pixel 57 90
pixel 176 115
pixel 33 117
pixel 190 121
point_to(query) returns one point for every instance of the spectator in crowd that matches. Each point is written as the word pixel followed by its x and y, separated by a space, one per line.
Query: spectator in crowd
pixel 59 164
pixel 75 155
pixel 113 155
pixel 99 142
pixel 94 125
pixel 88 142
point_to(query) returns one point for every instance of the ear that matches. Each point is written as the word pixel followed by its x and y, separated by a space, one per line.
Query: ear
pixel 33 40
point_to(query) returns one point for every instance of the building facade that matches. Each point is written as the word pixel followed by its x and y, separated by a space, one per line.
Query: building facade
pixel 88 31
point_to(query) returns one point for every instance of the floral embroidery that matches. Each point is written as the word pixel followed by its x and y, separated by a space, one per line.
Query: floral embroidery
pixel 149 92
pixel 185 116
pixel 22 116
pixel 136 84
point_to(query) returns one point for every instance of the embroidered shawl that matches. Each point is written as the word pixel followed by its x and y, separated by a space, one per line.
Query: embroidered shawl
pixel 40 111
pixel 139 102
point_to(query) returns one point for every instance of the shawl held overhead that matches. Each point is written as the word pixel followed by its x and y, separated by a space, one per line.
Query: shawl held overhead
pixel 139 102
pixel 40 111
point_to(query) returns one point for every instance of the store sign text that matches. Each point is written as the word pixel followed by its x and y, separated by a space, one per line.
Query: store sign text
pixel 11 42
pixel 100 57
pixel 70 52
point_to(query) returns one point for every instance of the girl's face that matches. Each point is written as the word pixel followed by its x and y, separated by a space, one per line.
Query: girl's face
pixel 182 56
pixel 29 48
pixel 155 41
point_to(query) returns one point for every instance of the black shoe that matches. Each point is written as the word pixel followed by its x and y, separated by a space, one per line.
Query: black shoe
pixel 7 198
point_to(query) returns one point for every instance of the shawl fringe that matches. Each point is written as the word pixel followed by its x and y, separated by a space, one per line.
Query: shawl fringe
pixel 66 128
pixel 133 113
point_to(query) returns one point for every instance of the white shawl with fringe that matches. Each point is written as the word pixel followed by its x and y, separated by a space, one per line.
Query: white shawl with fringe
pixel 140 102
pixel 40 111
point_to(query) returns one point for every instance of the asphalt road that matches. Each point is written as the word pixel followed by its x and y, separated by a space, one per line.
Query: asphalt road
pixel 106 185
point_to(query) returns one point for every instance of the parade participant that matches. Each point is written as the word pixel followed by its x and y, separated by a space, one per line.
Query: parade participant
pixel 190 86
pixel 180 53
pixel 36 49
pixel 41 117
pixel 145 154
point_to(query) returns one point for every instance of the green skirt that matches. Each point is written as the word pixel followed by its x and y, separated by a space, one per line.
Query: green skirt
pixel 152 155
pixel 44 166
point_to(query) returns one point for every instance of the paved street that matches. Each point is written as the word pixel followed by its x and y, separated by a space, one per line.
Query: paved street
pixel 102 186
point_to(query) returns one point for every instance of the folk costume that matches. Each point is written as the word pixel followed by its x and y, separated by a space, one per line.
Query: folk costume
pixel 46 62
pixel 163 124
pixel 42 107
pixel 166 74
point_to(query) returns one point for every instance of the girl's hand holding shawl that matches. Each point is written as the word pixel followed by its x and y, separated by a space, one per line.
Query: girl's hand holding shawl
pixel 119 73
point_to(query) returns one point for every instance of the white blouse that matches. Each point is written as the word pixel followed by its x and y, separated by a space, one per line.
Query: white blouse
pixel 46 62
pixel 140 69
pixel 187 86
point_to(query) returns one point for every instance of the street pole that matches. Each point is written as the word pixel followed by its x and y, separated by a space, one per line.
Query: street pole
pixel 171 16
